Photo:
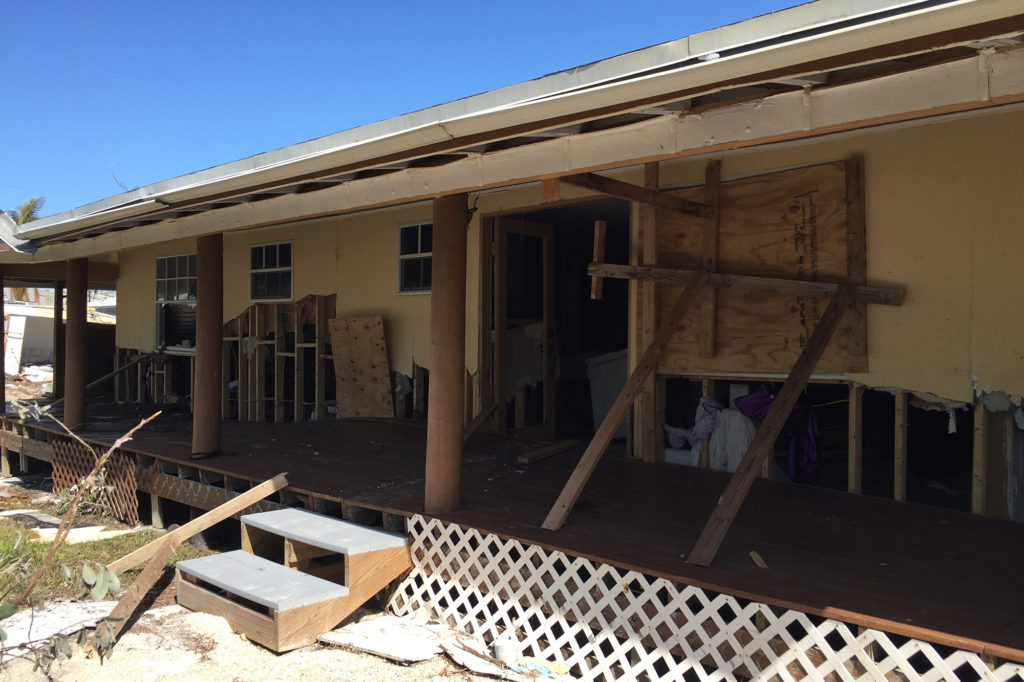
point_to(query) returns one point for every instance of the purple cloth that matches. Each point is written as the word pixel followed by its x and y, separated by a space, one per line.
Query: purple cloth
pixel 801 427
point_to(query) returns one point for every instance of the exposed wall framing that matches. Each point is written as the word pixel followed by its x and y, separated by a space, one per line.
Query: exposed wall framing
pixel 280 356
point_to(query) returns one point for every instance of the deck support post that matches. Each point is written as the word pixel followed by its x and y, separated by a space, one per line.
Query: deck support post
pixel 206 407
pixel 156 506
pixel 75 346
pixel 447 356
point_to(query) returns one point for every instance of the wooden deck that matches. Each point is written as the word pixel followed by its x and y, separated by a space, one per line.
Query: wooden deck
pixel 947 577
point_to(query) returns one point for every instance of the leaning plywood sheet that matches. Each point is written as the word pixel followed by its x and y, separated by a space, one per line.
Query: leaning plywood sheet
pixel 788 224
pixel 361 367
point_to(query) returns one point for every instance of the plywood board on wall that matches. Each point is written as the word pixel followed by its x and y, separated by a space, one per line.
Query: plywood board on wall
pixel 789 224
pixel 361 369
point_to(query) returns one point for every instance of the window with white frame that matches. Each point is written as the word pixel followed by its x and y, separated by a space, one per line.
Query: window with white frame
pixel 415 245
pixel 270 272
pixel 176 301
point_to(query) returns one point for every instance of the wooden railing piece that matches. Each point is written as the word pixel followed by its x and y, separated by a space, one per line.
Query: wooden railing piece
pixel 890 295
pixel 729 503
pixel 630 192
pixel 648 363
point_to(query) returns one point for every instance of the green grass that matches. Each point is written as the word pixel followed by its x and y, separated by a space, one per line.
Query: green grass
pixel 33 551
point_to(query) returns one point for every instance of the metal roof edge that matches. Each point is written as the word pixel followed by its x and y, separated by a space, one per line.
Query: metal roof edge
pixel 821 17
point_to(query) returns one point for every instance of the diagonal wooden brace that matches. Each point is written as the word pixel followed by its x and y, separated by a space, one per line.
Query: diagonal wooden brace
pixel 648 363
pixel 729 503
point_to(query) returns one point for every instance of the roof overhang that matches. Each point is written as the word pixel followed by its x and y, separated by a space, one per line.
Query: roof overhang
pixel 788 49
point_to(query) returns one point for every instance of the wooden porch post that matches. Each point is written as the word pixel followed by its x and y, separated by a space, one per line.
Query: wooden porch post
pixel 206 407
pixel 75 343
pixel 447 355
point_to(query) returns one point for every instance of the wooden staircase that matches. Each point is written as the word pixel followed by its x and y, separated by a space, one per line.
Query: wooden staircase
pixel 297 575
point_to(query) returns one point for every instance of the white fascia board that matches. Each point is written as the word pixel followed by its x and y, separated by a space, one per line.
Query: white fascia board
pixel 570 93
pixel 961 86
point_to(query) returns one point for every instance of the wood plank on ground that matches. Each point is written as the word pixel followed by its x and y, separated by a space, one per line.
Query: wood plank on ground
pixel 729 503
pixel 548 451
pixel 648 363
pixel 361 369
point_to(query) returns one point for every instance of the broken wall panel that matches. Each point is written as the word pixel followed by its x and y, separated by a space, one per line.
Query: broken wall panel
pixel 789 224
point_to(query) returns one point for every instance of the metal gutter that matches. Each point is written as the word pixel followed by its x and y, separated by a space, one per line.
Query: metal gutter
pixel 776 41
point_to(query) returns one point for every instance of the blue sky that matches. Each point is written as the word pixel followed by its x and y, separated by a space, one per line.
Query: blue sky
pixel 145 90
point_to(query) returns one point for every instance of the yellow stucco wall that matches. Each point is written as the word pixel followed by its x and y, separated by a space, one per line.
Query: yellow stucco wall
pixel 355 257
pixel 943 219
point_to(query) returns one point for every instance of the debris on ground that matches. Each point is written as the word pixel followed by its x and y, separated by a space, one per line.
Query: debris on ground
pixel 63 617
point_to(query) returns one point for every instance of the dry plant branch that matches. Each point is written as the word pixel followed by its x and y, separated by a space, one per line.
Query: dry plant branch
pixel 68 519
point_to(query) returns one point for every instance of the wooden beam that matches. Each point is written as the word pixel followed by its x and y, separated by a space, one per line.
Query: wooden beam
pixel 729 503
pixel 979 473
pixel 856 262
pixel 646 433
pixel 130 600
pixel 712 198
pixel 771 285
pixel 855 440
pixel 545 452
pixel 98 275
pixel 549 189
pixel 479 420
pixel 899 469
pixel 707 390
pixel 648 363
pixel 631 192
pixel 597 283
pixel 201 523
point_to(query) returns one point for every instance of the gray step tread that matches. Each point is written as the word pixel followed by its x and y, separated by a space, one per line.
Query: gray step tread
pixel 261 581
pixel 322 531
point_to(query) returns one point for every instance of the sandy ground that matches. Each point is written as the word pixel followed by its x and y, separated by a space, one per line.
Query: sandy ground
pixel 173 644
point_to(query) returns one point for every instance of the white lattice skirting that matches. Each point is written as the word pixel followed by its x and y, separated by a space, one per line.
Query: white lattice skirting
pixel 608 623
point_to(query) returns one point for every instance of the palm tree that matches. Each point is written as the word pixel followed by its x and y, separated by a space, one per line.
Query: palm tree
pixel 27 211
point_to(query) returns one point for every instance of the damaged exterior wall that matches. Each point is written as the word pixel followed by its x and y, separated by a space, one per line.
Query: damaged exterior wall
pixel 354 256
pixel 939 222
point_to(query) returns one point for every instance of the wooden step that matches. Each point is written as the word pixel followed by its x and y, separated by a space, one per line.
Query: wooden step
pixel 274 605
pixel 325 532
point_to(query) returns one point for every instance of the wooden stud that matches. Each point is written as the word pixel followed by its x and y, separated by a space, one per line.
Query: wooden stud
pixel 979 469
pixel 899 473
pixel 549 189
pixel 712 198
pixel 548 451
pixel 729 503
pixel 643 195
pixel 647 435
pixel 772 285
pixel 500 322
pixel 520 409
pixel 467 400
pixel 486 356
pixel 279 361
pixel 299 376
pixel 419 389
pixel 855 440
pixel 549 358
pixel 324 311
pixel 597 283
pixel 856 262
pixel 647 365
pixel 707 390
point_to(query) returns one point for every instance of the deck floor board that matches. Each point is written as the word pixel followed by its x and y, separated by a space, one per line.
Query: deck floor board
pixel 866 560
